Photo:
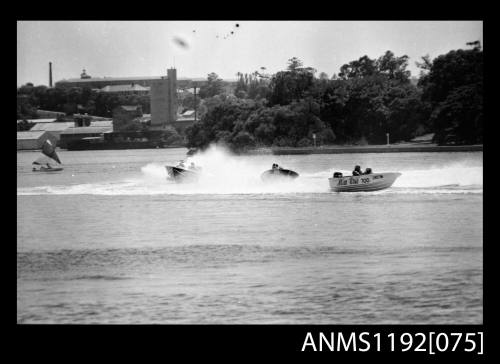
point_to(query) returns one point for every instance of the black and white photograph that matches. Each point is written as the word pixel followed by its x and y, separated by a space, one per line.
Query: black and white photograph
pixel 259 172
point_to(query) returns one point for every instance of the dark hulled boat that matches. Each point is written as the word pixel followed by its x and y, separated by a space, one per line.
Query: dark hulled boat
pixel 278 173
pixel 181 174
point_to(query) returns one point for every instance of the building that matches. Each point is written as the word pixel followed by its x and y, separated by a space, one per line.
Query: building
pixel 74 134
pixel 36 121
pixel 163 100
pixel 100 82
pixel 124 116
pixel 105 123
pixel 129 89
pixel 188 114
pixel 55 129
pixel 49 114
pixel 30 140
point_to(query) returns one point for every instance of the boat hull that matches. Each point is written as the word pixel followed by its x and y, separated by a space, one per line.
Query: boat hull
pixel 278 174
pixel 48 170
pixel 363 183
pixel 182 175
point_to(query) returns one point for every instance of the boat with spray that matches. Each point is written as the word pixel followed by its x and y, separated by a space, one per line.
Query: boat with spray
pixel 365 182
pixel 278 173
pixel 182 174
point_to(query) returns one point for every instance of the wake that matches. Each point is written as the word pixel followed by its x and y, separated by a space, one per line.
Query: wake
pixel 224 173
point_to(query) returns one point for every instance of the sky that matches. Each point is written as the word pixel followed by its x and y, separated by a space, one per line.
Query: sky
pixel 196 48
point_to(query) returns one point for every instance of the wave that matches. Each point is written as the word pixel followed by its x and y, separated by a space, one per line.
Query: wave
pixel 226 174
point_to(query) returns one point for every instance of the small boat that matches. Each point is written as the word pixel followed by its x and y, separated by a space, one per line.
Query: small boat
pixel 180 173
pixel 278 173
pixel 362 183
pixel 48 169
pixel 48 159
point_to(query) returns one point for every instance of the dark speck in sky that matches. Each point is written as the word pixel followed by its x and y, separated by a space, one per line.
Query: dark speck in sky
pixel 180 42
pixel 237 25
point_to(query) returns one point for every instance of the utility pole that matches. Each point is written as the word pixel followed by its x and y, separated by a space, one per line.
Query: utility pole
pixel 195 103
pixel 387 136
pixel 50 74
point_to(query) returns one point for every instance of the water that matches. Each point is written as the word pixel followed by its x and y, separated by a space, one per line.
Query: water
pixel 109 240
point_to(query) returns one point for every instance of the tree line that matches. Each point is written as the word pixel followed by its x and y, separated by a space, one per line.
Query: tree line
pixel 365 100
pixel 72 100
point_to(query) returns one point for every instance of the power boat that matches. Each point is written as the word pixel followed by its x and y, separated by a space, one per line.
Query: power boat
pixel 48 159
pixel 362 183
pixel 278 173
pixel 181 173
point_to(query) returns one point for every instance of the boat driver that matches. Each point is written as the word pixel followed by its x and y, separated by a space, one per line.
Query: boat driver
pixel 357 171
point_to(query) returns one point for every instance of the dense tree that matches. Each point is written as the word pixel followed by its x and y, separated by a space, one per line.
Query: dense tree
pixel 214 86
pixel 363 67
pixel 241 88
pixel 220 120
pixel 453 86
pixel 393 67
pixel 292 84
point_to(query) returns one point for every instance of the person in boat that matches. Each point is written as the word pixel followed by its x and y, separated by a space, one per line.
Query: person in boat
pixel 275 167
pixel 357 171
pixel 181 164
pixel 368 171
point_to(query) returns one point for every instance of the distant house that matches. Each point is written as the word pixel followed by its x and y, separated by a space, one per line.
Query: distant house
pixel 49 114
pixel 106 123
pixel 188 114
pixel 82 120
pixel 51 120
pixel 73 134
pixel 124 115
pixel 55 129
pixel 30 140
pixel 426 138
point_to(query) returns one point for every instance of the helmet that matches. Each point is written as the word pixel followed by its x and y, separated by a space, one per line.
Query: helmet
pixel 357 168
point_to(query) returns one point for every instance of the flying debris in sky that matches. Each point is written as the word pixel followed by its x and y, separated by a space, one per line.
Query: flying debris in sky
pixel 232 32
pixel 237 25
pixel 180 42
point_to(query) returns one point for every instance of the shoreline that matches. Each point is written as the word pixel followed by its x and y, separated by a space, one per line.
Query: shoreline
pixel 396 148
pixel 331 149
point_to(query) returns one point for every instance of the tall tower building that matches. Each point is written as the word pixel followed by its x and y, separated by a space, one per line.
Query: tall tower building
pixel 172 95
pixel 163 98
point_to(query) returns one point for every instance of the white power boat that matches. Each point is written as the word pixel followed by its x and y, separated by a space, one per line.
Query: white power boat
pixel 364 182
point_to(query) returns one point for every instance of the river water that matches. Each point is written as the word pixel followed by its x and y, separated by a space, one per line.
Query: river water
pixel 109 240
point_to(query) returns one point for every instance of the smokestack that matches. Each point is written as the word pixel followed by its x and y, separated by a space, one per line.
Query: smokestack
pixel 50 74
